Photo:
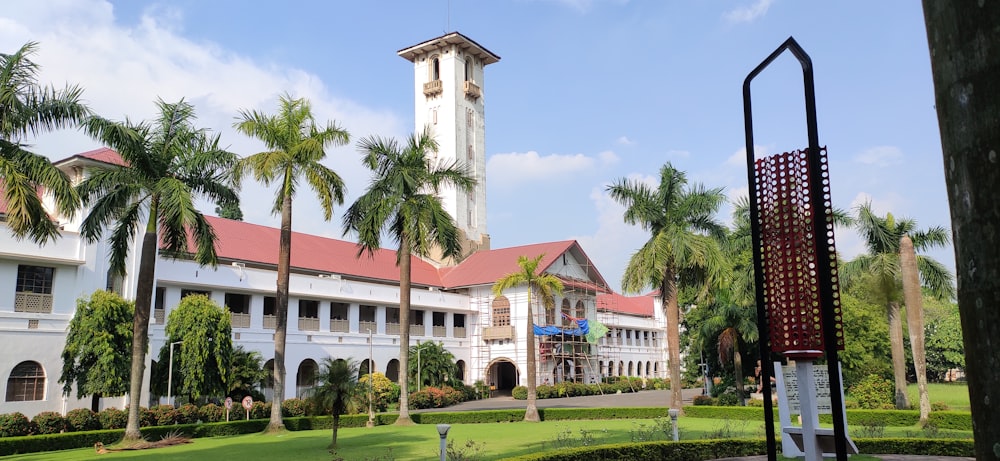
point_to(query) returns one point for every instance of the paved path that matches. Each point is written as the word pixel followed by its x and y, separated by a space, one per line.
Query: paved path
pixel 634 399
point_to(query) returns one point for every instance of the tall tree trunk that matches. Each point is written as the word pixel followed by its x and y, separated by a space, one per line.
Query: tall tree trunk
pixel 898 354
pixel 738 370
pixel 913 298
pixel 404 332
pixel 964 46
pixel 336 425
pixel 140 324
pixel 276 422
pixel 673 345
pixel 531 410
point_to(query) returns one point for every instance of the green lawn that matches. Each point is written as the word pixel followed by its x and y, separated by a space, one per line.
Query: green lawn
pixel 498 440
pixel 955 395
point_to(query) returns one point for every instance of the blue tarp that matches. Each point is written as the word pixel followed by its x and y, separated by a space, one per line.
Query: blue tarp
pixel 582 329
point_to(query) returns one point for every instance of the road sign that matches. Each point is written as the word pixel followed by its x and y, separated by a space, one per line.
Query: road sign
pixel 229 403
pixel 247 402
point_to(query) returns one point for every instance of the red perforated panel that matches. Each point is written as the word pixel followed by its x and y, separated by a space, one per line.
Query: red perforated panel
pixel 789 250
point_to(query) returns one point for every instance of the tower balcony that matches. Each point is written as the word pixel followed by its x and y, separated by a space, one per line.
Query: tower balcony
pixel 432 88
pixel 472 90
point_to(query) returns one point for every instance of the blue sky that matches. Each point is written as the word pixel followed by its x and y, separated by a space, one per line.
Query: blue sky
pixel 587 91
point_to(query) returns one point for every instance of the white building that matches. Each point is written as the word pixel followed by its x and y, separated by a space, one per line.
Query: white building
pixel 338 303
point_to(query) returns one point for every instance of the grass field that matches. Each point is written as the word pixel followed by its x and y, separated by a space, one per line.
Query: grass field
pixel 420 442
pixel 955 395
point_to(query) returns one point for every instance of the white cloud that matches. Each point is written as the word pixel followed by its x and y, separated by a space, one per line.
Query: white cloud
pixel 880 156
pixel 123 68
pixel 739 158
pixel 625 141
pixel 517 167
pixel 748 13
pixel 608 157
pixel 614 242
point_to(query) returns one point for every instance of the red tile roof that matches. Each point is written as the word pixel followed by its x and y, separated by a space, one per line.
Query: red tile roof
pixel 486 267
pixel 252 243
pixel 638 305
pixel 103 155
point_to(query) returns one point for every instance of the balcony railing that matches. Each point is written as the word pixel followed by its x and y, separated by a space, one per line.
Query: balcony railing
pixel 239 320
pixel 270 322
pixel 365 325
pixel 418 330
pixel 439 331
pixel 341 326
pixel 472 90
pixel 158 316
pixel 432 88
pixel 392 328
pixel 25 301
pixel 308 324
pixel 504 332
pixel 460 332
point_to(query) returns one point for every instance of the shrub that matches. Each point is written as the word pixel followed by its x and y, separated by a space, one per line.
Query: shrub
pixel 113 418
pixel 295 407
pixel 83 419
pixel 703 400
pixel 519 393
pixel 188 414
pixel 14 424
pixel 259 410
pixel 728 399
pixel 212 413
pixel 384 391
pixel 939 406
pixel 433 397
pixel 50 422
pixel 874 392
pixel 160 415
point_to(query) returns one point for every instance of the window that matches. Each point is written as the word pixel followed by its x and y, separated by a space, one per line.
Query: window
pixel 33 290
pixel 501 312
pixel 158 301
pixel 581 310
pixel 270 304
pixel 239 309
pixel 26 382
pixel 468 69
pixel 435 68
pixel 308 309
pixel 114 282
pixel 459 320
pixel 338 311
pixel 565 312
pixel 416 317
pixel 437 319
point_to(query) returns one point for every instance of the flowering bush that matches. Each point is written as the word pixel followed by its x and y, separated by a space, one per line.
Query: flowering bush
pixel 295 407
pixel 384 392
pixel 113 418
pixel 188 414
pixel 49 422
pixel 14 424
pixel 212 413
pixel 83 419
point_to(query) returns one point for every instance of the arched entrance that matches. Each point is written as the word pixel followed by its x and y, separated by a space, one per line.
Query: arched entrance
pixel 305 378
pixel 392 370
pixel 502 377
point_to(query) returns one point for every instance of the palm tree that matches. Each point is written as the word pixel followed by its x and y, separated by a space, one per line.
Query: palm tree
pixel 912 298
pixel 336 385
pixel 168 164
pixel 880 268
pixel 683 243
pixel 27 109
pixel 732 324
pixel 548 286
pixel 402 199
pixel 296 146
pixel 435 365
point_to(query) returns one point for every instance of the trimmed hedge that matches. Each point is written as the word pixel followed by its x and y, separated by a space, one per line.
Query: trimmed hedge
pixel 731 413
pixel 697 450
pixel 961 420
pixel 957 420
pixel 928 447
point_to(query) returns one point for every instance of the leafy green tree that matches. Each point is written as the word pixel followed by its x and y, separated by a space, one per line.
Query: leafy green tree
pixel 96 354
pixel 230 211
pixel 27 108
pixel 866 346
pixel 402 200
pixel 547 286
pixel 943 331
pixel 248 374
pixel 296 146
pixel 168 164
pixel 879 269
pixel 203 359
pixel 734 326
pixel 435 367
pixel 683 246
pixel 336 386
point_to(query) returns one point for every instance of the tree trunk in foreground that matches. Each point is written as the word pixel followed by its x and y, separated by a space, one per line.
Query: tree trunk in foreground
pixel 277 423
pixel 140 326
pixel 913 297
pixel 895 316
pixel 404 333
pixel 674 348
pixel 964 41
pixel 531 410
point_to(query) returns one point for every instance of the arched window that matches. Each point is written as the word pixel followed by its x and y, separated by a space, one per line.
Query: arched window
pixel 631 368
pixel 435 68
pixel 501 312
pixel 461 369
pixel 638 368
pixel 468 69
pixel 566 312
pixel 581 311
pixel 26 382
pixel 392 370
pixel 305 378
pixel 611 369
pixel 364 368
pixel 647 369
pixel 621 368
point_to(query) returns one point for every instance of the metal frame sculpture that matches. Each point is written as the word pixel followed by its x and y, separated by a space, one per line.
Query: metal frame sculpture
pixel 795 261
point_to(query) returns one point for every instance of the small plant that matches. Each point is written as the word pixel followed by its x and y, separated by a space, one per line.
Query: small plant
pixel 471 451
pixel 728 399
pixel 729 430
pixel 661 429
pixel 704 400
pixel 939 406
pixel 872 428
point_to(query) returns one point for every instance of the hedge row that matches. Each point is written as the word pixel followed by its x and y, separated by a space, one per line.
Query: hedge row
pixel 697 450
pixel 958 420
pixel 570 389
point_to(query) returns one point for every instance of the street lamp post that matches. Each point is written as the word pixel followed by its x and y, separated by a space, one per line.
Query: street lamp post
pixel 371 394
pixel 443 432
pixel 170 373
